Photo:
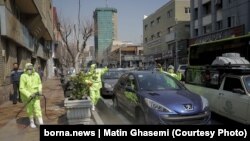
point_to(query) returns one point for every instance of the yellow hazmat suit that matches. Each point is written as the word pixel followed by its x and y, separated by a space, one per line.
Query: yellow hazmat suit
pixel 30 84
pixel 171 72
pixel 95 83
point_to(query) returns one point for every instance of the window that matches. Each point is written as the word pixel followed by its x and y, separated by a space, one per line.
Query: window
pixel 231 21
pixel 218 4
pixel 122 80
pixel 207 29
pixel 152 37
pixel 170 13
pixel 152 23
pixel 158 20
pixel 232 83
pixel 195 13
pixel 170 29
pixel 187 27
pixel 247 83
pixel 187 10
pixel 146 27
pixel 131 82
pixel 218 25
pixel 146 40
pixel 207 8
pixel 158 34
pixel 196 32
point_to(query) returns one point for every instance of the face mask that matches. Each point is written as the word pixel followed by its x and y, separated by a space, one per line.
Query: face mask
pixel 29 71
pixel 171 71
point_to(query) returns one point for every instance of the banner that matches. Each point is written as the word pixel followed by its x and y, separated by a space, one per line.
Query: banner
pixel 80 132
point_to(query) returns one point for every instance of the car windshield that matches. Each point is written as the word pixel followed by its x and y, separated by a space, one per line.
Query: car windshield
pixel 112 75
pixel 156 82
pixel 247 83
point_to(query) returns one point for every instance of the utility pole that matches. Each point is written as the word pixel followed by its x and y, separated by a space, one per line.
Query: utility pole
pixel 176 46
pixel 120 52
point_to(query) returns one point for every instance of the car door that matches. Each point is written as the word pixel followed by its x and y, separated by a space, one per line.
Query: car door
pixel 130 94
pixel 233 104
pixel 119 91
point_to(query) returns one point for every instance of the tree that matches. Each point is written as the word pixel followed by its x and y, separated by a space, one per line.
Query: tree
pixel 72 43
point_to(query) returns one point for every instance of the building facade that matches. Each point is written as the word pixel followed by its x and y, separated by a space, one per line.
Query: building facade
pixel 164 29
pixel 25 36
pixel 217 27
pixel 105 22
pixel 125 55
pixel 210 16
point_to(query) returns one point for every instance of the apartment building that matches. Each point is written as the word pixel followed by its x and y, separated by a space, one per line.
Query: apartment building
pixel 217 27
pixel 165 33
pixel 25 36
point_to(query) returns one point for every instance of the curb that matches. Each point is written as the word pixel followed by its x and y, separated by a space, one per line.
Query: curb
pixel 97 118
pixel 110 108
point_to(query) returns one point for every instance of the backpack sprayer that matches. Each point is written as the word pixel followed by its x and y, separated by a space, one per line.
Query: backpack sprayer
pixel 35 95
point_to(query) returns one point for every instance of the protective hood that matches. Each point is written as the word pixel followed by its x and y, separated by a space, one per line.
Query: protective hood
pixel 27 65
pixel 92 67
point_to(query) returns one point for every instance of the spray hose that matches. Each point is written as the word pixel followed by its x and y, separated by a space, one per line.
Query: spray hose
pixel 33 97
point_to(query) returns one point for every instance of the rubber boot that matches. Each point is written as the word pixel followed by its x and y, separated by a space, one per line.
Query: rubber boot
pixel 93 107
pixel 32 123
pixel 39 121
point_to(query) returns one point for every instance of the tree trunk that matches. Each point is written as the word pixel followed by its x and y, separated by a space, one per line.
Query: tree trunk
pixel 76 64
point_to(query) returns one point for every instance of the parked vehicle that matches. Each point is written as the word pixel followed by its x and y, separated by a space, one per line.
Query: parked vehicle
pixel 152 97
pixel 182 69
pixel 109 80
pixel 225 84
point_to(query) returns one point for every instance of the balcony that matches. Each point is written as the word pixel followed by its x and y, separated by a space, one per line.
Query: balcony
pixel 14 30
pixel 39 22
pixel 41 52
pixel 170 37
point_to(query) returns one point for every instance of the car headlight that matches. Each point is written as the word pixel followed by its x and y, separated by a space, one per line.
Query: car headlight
pixel 204 102
pixel 156 106
pixel 106 85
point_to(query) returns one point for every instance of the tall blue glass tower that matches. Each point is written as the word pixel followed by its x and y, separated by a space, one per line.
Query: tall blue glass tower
pixel 105 20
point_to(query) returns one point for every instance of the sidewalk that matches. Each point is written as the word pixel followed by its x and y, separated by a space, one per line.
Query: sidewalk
pixel 12 129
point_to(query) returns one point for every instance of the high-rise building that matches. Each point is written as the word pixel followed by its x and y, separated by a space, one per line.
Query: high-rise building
pixel 105 20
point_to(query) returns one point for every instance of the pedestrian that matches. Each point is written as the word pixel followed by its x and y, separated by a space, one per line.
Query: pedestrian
pixel 95 83
pixel 15 79
pixel 55 71
pixel 30 89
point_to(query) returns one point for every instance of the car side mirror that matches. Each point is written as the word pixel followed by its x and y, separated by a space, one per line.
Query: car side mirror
pixel 239 91
pixel 129 89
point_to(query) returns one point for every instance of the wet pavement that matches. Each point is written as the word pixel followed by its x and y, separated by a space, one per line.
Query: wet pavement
pixel 17 129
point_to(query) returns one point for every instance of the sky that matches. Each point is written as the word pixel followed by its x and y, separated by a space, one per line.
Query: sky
pixel 130 14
